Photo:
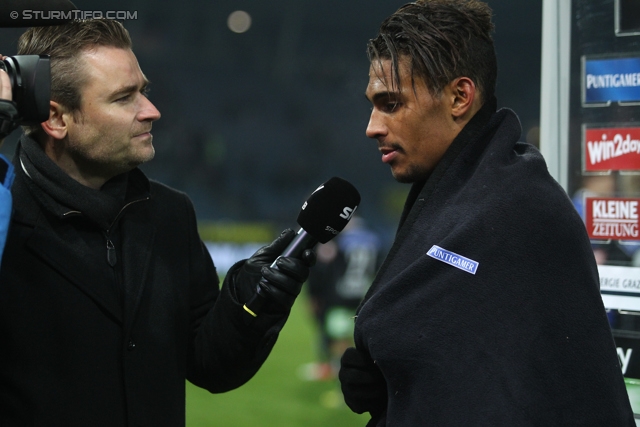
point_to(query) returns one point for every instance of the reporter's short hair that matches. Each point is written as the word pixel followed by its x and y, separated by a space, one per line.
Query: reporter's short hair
pixel 64 44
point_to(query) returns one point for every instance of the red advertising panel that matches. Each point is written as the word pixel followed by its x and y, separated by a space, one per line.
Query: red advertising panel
pixel 611 149
pixel 612 218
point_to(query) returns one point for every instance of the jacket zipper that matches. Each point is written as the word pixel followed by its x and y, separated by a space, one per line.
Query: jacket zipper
pixel 111 249
pixel 111 252
pixel 112 259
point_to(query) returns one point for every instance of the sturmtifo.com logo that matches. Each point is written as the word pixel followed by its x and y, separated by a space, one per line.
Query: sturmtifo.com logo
pixel 123 15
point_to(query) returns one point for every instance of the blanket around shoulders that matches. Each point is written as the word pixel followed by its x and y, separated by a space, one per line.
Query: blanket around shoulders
pixel 487 309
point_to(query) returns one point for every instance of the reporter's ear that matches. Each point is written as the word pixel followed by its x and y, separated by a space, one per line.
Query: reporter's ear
pixel 56 126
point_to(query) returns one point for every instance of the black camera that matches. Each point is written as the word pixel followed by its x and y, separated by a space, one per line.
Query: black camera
pixel 30 77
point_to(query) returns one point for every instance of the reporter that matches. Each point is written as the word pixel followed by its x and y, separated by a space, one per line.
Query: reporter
pixel 109 299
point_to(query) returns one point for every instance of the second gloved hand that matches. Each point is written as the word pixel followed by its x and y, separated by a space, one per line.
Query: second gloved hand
pixel 363 385
pixel 283 283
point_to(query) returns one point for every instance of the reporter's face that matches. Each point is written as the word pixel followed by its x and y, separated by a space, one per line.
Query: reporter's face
pixel 112 132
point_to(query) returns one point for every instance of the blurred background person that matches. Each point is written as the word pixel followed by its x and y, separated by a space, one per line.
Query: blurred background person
pixel 342 275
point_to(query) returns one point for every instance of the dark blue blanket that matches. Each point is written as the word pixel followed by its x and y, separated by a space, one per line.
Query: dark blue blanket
pixel 487 310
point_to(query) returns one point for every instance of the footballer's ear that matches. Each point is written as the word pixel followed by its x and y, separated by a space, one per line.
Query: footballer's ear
pixel 56 126
pixel 463 93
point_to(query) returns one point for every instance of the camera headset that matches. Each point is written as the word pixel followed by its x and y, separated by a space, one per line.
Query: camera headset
pixel 30 75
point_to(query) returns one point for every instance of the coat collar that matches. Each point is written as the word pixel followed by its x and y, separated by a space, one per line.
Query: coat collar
pixel 64 197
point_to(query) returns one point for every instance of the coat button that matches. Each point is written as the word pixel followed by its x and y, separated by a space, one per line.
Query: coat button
pixel 131 345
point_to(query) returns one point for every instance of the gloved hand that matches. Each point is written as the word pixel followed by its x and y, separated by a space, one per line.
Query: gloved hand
pixel 363 386
pixel 283 283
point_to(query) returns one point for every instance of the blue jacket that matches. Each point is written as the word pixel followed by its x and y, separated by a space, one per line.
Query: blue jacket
pixel 6 179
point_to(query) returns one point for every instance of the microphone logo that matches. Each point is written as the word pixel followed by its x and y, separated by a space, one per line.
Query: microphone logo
pixel 347 212
pixel 331 230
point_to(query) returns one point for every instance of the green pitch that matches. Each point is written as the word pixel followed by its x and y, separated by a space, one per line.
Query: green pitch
pixel 276 396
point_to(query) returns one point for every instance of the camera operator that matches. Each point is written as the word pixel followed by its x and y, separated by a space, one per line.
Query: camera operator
pixel 7 110
pixel 109 299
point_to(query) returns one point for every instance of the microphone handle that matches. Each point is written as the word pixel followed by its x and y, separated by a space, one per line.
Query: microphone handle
pixel 298 245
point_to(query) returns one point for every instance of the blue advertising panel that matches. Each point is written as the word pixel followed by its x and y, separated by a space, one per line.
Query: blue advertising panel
pixel 611 80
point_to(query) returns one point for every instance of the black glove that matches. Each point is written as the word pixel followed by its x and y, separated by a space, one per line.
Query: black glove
pixel 283 283
pixel 363 386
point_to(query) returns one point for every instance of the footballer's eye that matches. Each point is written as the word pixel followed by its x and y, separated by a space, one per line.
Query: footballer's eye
pixel 390 107
pixel 387 103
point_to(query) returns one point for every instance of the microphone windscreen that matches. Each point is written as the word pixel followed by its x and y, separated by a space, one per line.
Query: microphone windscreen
pixel 328 210
pixel 35 13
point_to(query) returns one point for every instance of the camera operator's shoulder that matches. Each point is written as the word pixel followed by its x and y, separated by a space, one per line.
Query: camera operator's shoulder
pixel 25 207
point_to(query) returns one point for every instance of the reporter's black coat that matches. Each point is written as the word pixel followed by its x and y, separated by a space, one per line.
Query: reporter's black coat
pixel 522 342
pixel 85 344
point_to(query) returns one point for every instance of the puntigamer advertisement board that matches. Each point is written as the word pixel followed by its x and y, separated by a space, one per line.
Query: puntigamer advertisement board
pixel 608 80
